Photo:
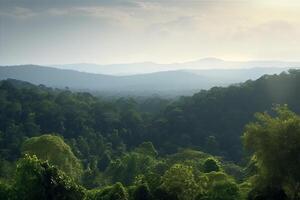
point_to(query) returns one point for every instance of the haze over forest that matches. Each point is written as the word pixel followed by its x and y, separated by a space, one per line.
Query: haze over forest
pixel 149 100
pixel 145 79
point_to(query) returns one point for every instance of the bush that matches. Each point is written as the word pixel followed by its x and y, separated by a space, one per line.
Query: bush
pixel 142 192
pixel 115 192
pixel 5 191
pixel 211 165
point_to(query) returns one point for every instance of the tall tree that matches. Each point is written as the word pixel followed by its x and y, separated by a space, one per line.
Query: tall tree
pixel 179 181
pixel 275 142
pixel 36 179
pixel 56 151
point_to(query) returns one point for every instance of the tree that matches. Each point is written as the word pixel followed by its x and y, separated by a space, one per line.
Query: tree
pixel 36 179
pixel 5 191
pixel 30 127
pixel 115 192
pixel 142 192
pixel 147 148
pixel 56 151
pixel 118 192
pixel 267 193
pixel 217 186
pixel 223 190
pixel 210 165
pixel 179 181
pixel 104 161
pixel 160 193
pixel 129 166
pixel 275 142
pixel 211 145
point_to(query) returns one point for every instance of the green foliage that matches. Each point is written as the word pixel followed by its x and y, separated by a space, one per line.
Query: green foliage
pixel 244 189
pixel 130 166
pixel 275 142
pixel 56 151
pixel 223 190
pixel 179 181
pixel 162 194
pixel 92 178
pixel 188 157
pixel 104 161
pixel 114 140
pixel 210 165
pixel 211 144
pixel 214 120
pixel 218 186
pixel 115 192
pixel 234 170
pixel 267 193
pixel 37 179
pixel 5 191
pixel 6 169
pixel 142 192
pixel 187 154
pixel 210 179
pixel 210 120
pixel 147 148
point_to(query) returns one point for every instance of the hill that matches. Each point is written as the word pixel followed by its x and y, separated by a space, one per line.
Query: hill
pixel 166 83
pixel 214 119
pixel 200 64
pixel 211 120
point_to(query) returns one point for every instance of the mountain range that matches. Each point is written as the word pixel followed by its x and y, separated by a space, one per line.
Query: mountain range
pixel 176 82
pixel 150 67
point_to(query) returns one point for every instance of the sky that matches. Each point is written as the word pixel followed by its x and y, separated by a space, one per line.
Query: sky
pixel 50 32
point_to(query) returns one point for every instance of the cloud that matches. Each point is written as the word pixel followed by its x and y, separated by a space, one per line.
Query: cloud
pixel 157 30
pixel 272 31
pixel 46 4
pixel 19 13
pixel 274 26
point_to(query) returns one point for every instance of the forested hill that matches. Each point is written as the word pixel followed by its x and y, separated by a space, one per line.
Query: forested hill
pixel 57 144
pixel 214 120
pixel 211 120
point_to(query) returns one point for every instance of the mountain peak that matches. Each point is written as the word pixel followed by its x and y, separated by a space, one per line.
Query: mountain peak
pixel 210 59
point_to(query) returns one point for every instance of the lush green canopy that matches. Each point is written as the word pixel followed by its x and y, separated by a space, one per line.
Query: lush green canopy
pixel 56 151
pixel 130 148
pixel 275 142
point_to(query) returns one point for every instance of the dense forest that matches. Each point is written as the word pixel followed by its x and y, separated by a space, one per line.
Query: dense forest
pixel 226 143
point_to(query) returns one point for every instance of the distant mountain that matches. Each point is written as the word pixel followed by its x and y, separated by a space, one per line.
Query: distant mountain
pixel 116 69
pixel 150 67
pixel 229 76
pixel 178 82
pixel 171 82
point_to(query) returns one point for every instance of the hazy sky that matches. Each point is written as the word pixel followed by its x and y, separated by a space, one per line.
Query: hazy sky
pixel 165 31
